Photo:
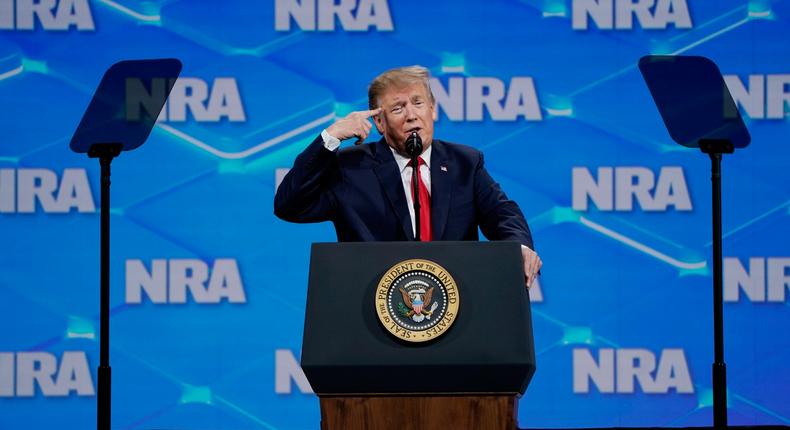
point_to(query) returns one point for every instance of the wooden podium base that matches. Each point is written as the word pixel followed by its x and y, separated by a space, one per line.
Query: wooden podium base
pixel 492 412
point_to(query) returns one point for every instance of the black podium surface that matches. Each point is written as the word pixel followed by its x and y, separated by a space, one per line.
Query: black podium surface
pixel 488 349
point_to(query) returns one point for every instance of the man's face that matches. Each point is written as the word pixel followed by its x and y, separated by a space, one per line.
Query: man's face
pixel 404 110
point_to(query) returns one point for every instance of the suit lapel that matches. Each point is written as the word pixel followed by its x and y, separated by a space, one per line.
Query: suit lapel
pixel 386 171
pixel 442 187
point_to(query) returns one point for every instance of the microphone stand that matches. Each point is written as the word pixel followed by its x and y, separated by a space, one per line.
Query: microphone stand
pixel 415 192
pixel 413 147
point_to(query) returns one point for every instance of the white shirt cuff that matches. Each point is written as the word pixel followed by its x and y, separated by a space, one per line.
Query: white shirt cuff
pixel 330 142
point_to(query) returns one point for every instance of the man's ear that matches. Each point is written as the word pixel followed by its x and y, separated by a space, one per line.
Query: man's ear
pixel 434 113
pixel 379 121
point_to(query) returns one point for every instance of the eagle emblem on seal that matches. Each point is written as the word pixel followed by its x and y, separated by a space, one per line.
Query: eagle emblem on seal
pixel 418 303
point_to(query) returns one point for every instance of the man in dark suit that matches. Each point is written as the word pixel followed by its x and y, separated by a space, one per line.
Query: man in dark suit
pixel 366 190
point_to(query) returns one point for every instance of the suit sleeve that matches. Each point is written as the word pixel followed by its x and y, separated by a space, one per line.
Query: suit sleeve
pixel 305 194
pixel 499 217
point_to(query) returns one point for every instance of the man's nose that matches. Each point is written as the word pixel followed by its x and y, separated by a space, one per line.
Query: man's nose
pixel 411 113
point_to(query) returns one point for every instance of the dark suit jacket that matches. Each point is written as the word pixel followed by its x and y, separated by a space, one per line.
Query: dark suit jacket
pixel 359 189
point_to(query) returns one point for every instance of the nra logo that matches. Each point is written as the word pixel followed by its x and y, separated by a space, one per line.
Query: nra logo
pixel 22 372
pixel 622 370
pixel 174 281
pixel 760 280
pixel 190 97
pixel 763 97
pixel 622 14
pixel 50 14
pixel 618 188
pixel 322 15
pixel 27 190
pixel 471 98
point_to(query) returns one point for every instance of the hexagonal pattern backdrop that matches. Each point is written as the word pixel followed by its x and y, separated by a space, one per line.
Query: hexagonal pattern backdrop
pixel 548 89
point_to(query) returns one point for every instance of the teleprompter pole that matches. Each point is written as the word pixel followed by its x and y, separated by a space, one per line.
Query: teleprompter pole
pixel 715 149
pixel 105 153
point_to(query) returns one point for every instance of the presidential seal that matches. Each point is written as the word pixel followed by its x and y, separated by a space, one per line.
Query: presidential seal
pixel 417 300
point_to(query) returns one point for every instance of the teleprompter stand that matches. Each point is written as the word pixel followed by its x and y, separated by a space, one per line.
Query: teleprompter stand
pixel 699 112
pixel 105 153
pixel 470 377
pixel 119 118
pixel 715 148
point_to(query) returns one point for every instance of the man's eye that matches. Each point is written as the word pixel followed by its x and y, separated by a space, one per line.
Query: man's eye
pixel 418 102
pixel 397 109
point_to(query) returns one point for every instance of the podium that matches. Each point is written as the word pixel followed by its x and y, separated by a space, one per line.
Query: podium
pixel 466 370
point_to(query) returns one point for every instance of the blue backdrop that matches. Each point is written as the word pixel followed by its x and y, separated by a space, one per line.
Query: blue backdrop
pixel 208 287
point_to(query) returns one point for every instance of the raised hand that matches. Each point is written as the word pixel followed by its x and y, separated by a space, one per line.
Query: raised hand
pixel 356 124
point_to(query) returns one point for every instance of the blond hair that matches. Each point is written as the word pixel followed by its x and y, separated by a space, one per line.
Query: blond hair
pixel 398 78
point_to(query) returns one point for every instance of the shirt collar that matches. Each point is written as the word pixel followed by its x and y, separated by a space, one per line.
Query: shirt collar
pixel 404 161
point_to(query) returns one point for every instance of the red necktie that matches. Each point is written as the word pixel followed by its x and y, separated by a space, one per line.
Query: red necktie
pixel 426 235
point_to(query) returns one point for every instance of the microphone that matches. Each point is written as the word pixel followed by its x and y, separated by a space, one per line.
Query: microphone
pixel 413 145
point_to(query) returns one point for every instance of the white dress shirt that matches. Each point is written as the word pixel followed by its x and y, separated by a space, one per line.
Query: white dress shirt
pixel 405 176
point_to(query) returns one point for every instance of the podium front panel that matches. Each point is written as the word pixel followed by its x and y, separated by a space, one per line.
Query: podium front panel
pixel 488 349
